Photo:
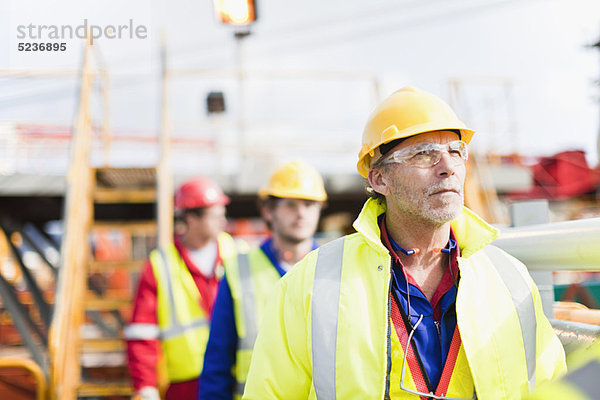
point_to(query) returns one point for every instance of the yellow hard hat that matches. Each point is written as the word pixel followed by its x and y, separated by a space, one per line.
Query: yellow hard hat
pixel 407 112
pixel 295 180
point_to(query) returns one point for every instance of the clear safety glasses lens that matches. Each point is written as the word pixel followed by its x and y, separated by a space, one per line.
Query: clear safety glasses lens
pixel 427 155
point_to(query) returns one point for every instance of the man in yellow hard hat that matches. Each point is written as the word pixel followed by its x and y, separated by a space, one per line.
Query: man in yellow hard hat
pixel 291 204
pixel 416 303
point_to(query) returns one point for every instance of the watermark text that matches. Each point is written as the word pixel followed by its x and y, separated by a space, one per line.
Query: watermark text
pixel 63 32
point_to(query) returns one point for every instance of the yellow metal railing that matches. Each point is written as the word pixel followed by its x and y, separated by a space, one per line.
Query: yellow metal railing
pixel 69 313
pixel 33 368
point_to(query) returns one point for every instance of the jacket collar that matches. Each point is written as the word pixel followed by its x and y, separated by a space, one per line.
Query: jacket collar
pixel 472 232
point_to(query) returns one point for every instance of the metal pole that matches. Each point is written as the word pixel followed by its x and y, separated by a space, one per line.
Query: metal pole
pixel 106 134
pixel 239 65
pixel 597 46
pixel 104 92
pixel 574 335
pixel 68 313
pixel 164 176
pixel 569 245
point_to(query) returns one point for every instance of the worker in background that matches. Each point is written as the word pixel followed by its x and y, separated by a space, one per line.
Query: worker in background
pixel 176 293
pixel 581 383
pixel 417 302
pixel 291 204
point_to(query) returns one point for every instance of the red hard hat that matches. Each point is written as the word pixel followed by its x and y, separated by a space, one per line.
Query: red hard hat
pixel 199 192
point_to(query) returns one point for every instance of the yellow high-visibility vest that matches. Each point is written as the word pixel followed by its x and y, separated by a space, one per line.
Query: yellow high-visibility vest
pixel 251 279
pixel 182 322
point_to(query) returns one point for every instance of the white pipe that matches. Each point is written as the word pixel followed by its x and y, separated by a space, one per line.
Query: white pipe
pixel 575 335
pixel 570 245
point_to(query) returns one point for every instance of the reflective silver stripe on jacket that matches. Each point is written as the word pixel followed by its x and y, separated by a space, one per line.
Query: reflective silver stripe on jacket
pixel 181 329
pixel 248 303
pixel 246 342
pixel 137 331
pixel 585 379
pixel 176 328
pixel 524 304
pixel 325 308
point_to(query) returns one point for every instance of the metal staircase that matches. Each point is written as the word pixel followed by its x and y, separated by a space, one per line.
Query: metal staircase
pixel 84 353
pixel 26 309
pixel 111 280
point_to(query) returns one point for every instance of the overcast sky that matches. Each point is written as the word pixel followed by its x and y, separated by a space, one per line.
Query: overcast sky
pixel 518 71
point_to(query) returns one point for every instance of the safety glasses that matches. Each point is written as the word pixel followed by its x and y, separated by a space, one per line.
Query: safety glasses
pixel 426 155
pixel 429 395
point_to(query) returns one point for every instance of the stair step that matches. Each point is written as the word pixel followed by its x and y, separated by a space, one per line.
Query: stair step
pixel 19 351
pixel 107 266
pixel 137 227
pixel 126 178
pixel 104 389
pixel 103 345
pixel 98 360
pixel 105 304
pixel 106 195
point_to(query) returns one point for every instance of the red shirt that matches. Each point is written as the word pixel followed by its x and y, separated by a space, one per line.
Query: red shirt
pixel 143 355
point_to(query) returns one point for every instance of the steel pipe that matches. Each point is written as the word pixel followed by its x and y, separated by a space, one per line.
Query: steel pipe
pixel 569 245
pixel 575 335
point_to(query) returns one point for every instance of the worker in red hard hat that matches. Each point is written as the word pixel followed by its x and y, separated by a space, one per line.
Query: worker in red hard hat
pixel 176 293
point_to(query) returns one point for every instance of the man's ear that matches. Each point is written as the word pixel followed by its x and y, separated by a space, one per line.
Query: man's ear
pixel 378 181
pixel 266 213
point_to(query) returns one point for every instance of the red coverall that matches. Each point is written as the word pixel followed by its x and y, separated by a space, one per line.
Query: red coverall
pixel 143 355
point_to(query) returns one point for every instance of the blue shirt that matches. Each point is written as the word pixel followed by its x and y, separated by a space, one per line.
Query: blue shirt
pixel 432 338
pixel 217 380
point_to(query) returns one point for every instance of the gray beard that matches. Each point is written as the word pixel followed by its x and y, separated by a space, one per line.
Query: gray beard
pixel 416 206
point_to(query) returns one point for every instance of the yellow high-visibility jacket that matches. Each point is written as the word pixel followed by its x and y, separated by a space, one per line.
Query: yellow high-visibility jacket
pixel 182 322
pixel 326 331
pixel 251 278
